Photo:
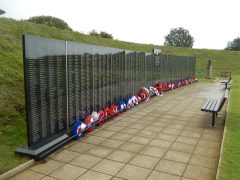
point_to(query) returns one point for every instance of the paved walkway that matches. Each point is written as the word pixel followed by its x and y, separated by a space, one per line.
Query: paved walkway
pixel 167 138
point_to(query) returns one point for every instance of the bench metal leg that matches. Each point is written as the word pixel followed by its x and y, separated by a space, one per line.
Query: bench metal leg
pixel 213 119
pixel 225 85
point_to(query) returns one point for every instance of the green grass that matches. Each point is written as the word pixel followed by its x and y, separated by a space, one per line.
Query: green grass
pixel 12 115
pixel 12 136
pixel 208 80
pixel 230 164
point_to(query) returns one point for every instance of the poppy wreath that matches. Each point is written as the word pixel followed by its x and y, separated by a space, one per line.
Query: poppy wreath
pixel 135 100
pixel 170 86
pixel 78 129
pixel 114 111
pixel 128 103
pixel 175 84
pixel 132 101
pixel 154 90
pixel 159 87
pixel 145 94
pixel 121 106
pixel 139 99
pixel 165 86
pixel 100 117
pixel 106 111
pixel 95 116
pixel 89 122
pixel 179 84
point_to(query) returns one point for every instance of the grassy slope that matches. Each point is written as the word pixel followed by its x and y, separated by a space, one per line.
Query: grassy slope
pixel 230 167
pixel 12 117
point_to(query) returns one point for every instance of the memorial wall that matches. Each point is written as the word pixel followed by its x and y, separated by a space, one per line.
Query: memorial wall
pixel 66 81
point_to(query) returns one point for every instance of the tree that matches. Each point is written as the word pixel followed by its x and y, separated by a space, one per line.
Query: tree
pixel 234 45
pixel 179 37
pixel 50 21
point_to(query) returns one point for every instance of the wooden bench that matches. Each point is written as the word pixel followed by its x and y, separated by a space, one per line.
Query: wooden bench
pixel 225 73
pixel 226 82
pixel 214 106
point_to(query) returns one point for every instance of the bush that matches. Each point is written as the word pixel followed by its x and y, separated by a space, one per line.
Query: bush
pixel 50 21
pixel 102 34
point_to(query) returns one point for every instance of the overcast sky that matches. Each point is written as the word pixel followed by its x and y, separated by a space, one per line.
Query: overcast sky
pixel 212 23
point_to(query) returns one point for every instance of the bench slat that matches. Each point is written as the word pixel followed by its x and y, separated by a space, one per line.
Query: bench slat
pixel 205 105
pixel 209 105
pixel 217 105
pixel 213 105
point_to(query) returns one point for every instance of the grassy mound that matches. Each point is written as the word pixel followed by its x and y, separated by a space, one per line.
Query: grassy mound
pixel 12 105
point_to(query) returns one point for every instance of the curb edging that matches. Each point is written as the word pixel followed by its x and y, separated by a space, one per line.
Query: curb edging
pixel 17 169
pixel 223 139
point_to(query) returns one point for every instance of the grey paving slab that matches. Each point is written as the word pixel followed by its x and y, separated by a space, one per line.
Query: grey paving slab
pixel 187 140
pixel 140 140
pixel 130 131
pixel 121 156
pixel 177 156
pixel 120 136
pixel 196 172
pixel 166 138
pixel 133 172
pixel 113 128
pixel 80 147
pixel 93 139
pixel 65 155
pixel 153 151
pixel 204 161
pixel 155 175
pixel 48 178
pixel 99 151
pixel 144 161
pixel 46 167
pixel 108 167
pixel 111 143
pixel 182 147
pixel 85 161
pixel 160 143
pixel 171 167
pixel 104 133
pixel 153 128
pixel 92 175
pixel 131 147
pixel 68 171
